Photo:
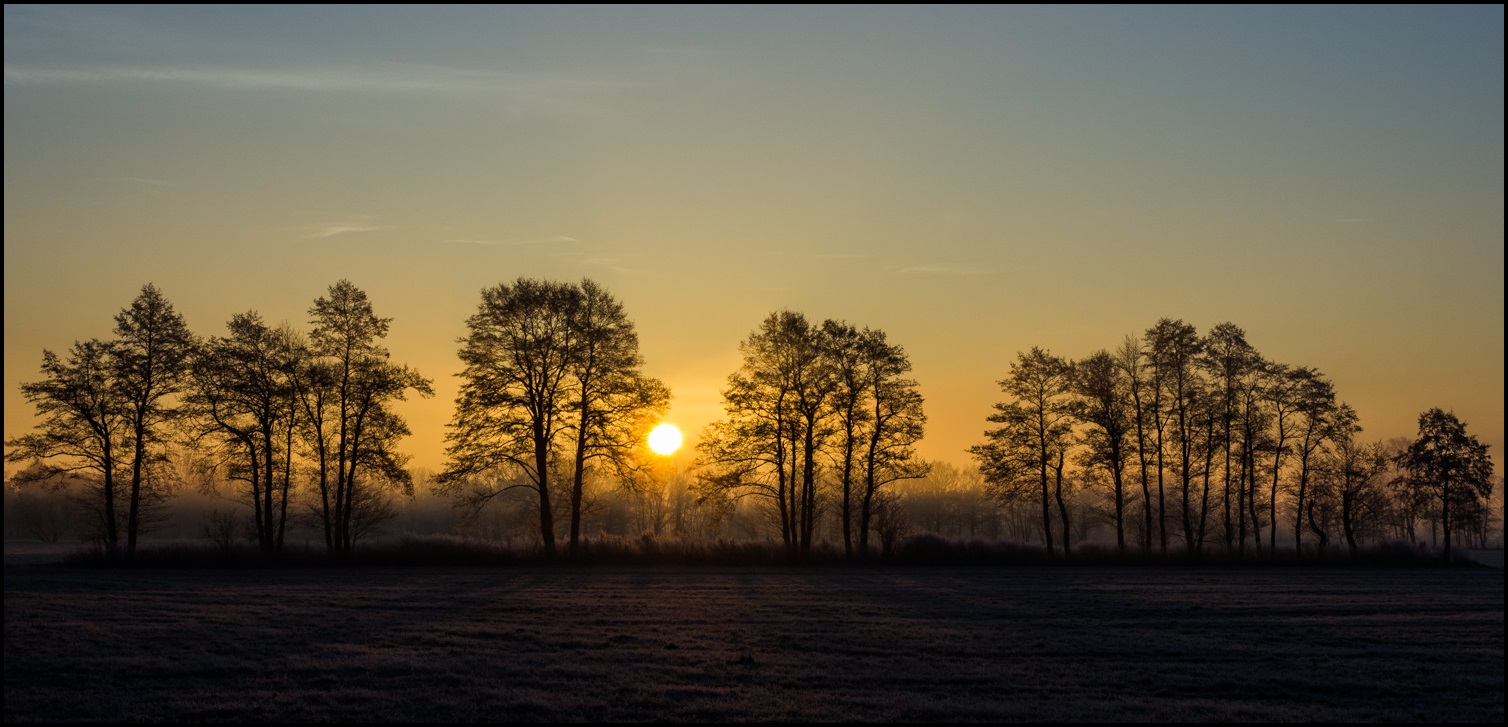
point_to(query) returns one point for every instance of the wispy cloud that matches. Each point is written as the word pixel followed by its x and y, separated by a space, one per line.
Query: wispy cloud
pixel 540 90
pixel 576 250
pixel 523 241
pixel 944 269
pixel 139 181
pixel 345 226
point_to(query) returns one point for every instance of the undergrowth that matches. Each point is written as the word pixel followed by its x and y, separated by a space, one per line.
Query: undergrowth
pixel 926 550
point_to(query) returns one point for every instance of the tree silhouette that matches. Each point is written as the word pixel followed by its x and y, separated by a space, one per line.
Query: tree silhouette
pixel 346 385
pixel 151 360
pixel 1104 403
pixel 245 397
pixel 1033 436
pixel 106 411
pixel 1314 398
pixel 614 404
pixel 545 358
pixel 84 431
pixel 1173 347
pixel 512 401
pixel 1450 464
pixel 804 394
pixel 845 348
pixel 1228 359
pixel 896 422
pixel 1131 359
pixel 776 405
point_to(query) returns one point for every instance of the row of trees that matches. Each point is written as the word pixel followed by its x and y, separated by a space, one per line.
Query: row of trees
pixel 259 406
pixel 812 407
pixel 1214 441
pixel 1176 440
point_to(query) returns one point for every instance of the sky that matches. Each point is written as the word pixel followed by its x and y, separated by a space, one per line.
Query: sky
pixel 974 181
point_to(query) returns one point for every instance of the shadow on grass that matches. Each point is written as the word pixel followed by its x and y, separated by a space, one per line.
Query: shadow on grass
pixel 926 550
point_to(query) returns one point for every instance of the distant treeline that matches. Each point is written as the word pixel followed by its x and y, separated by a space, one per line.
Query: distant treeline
pixel 1174 443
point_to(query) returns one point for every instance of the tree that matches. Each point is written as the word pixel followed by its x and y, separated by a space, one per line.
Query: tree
pixel 805 394
pixel 1229 360
pixel 346 386
pixel 1351 471
pixel 511 407
pixel 845 348
pixel 614 403
pixel 1131 358
pixel 1281 390
pixel 1033 436
pixel 1173 348
pixel 777 407
pixel 895 421
pixel 543 359
pixel 150 364
pixel 1314 399
pixel 244 396
pixel 1450 464
pixel 83 432
pixel 1104 403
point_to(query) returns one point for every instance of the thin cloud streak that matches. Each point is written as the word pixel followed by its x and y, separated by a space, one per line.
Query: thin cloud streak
pixel 139 180
pixel 345 227
pixel 376 78
pixel 519 242
pixel 943 269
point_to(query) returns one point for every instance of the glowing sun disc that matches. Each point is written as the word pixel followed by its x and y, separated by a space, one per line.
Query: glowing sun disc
pixel 665 439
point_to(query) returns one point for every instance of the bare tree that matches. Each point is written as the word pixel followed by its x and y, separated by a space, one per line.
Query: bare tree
pixel 84 432
pixel 614 403
pixel 845 348
pixel 1280 390
pixel 346 387
pixel 150 367
pixel 895 421
pixel 1104 403
pixel 1172 348
pixel 545 361
pixel 512 405
pixel 1034 434
pixel 1450 464
pixel 1351 472
pixel 1131 359
pixel 777 411
pixel 1228 359
pixel 244 398
pixel 1314 400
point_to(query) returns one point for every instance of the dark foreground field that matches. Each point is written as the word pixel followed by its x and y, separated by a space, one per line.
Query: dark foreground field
pixel 752 644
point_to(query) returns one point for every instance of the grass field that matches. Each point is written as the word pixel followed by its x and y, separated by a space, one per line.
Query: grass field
pixel 747 644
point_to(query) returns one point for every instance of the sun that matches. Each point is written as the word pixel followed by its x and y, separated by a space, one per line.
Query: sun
pixel 665 439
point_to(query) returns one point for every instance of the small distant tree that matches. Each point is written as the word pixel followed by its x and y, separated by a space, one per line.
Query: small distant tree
pixel 1450 464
